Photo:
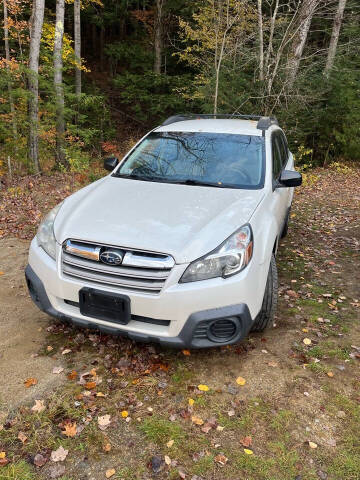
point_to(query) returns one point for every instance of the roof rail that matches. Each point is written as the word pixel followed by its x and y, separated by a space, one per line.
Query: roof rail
pixel 263 122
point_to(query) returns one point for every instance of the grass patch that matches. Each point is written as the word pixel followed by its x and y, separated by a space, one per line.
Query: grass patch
pixel 17 471
pixel 159 430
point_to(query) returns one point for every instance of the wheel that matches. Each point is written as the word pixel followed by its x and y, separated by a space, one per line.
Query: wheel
pixel 286 226
pixel 266 315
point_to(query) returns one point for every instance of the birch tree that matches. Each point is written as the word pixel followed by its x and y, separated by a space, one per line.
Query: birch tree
pixel 306 13
pixel 36 24
pixel 58 81
pixel 7 57
pixel 335 36
pixel 158 35
pixel 261 41
pixel 77 46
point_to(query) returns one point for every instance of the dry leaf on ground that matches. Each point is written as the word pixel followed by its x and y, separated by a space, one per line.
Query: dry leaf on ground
pixel 221 460
pixel 203 388
pixel 109 473
pixel 59 455
pixel 29 382
pixel 69 429
pixel 240 381
pixel 57 370
pixel 197 420
pixel 104 422
pixel 22 437
pixel 246 441
pixel 39 406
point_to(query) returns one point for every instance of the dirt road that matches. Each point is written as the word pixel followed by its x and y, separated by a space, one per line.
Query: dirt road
pixel 22 333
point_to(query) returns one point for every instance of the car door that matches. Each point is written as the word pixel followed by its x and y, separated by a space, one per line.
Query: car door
pixel 280 195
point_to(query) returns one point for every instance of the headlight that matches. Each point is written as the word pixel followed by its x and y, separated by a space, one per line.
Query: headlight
pixel 229 258
pixel 45 234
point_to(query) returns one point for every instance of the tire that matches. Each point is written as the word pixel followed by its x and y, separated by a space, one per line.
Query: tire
pixel 286 226
pixel 265 317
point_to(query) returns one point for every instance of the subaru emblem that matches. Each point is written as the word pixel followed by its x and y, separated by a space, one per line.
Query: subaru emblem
pixel 112 257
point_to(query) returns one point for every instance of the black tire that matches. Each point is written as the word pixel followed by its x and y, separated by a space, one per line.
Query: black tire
pixel 265 317
pixel 286 226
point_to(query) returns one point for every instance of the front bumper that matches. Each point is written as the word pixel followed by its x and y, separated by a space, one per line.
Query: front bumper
pixel 195 333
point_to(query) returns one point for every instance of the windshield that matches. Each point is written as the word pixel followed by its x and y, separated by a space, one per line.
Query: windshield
pixel 215 159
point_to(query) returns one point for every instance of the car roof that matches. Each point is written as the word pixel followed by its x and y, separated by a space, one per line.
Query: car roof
pixel 212 125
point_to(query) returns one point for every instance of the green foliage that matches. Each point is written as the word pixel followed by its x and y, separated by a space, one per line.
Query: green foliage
pixel 152 97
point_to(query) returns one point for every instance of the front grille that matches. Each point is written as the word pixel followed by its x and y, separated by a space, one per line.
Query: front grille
pixel 140 271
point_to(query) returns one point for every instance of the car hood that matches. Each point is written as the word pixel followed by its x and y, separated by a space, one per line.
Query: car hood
pixel 184 221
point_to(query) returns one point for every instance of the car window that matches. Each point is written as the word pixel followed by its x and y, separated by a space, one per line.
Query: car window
pixel 227 160
pixel 284 151
pixel 276 157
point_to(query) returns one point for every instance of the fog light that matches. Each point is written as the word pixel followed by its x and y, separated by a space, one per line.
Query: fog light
pixel 223 330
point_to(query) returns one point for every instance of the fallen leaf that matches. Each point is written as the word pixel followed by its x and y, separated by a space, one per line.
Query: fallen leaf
pixel 66 351
pixel 248 451
pixel 72 375
pixel 49 348
pixel 29 382
pixel 219 428
pixel 221 460
pixel 109 473
pixel 90 385
pixel 312 445
pixel 104 422
pixel 167 460
pixel 330 374
pixel 170 443
pixel 69 430
pixel 206 428
pixel 231 413
pixel 203 388
pixel 2 273
pixel 240 381
pixel 39 406
pixel 59 455
pixel 39 460
pixel 57 370
pixel 107 447
pixel 182 474
pixel 22 437
pixel 186 352
pixel 246 441
pixel 124 414
pixel 191 402
pixel 4 461
pixel 197 420
pixel 307 341
pixel 305 330
pixel 273 364
pixel 2 455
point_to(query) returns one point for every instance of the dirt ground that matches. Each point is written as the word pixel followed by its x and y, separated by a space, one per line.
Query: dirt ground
pixel 301 378
pixel 22 333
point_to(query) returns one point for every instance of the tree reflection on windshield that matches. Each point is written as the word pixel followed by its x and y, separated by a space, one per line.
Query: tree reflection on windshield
pixel 195 158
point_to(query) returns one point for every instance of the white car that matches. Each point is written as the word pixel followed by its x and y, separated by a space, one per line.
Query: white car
pixel 177 244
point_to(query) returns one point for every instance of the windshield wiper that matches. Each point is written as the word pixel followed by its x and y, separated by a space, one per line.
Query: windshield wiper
pixel 135 176
pixel 190 181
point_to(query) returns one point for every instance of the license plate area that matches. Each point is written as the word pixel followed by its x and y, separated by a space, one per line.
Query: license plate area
pixel 111 307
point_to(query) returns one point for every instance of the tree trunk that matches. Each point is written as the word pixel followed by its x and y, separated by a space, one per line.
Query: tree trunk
pixel 305 16
pixel 37 19
pixel 335 36
pixel 58 82
pixel 261 42
pixel 158 40
pixel 7 56
pixel 77 47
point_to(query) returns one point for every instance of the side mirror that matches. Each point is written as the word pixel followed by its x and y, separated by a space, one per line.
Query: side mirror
pixel 289 178
pixel 110 163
